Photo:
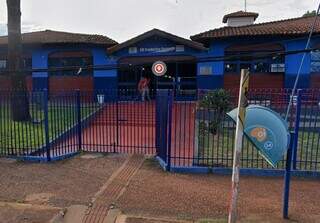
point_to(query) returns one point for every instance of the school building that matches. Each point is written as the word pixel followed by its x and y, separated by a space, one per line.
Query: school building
pixel 189 69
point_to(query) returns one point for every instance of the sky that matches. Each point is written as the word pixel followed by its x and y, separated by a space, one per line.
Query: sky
pixel 124 19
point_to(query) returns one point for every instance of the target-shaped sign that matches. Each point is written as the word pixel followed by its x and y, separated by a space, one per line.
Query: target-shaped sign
pixel 159 68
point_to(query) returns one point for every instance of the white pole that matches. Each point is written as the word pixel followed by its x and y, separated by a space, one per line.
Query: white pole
pixel 242 104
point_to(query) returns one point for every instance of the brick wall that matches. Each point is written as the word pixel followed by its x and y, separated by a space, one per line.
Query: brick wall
pixel 315 80
pixel 265 80
pixel 71 83
pixel 5 83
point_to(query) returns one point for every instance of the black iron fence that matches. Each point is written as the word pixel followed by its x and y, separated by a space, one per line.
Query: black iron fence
pixel 181 131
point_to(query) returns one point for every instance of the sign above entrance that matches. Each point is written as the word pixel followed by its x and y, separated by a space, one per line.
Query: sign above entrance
pixel 159 68
pixel 162 49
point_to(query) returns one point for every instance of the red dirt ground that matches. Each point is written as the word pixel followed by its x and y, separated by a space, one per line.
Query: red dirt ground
pixel 59 184
pixel 153 192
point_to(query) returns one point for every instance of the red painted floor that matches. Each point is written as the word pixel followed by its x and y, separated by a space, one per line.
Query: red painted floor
pixel 130 127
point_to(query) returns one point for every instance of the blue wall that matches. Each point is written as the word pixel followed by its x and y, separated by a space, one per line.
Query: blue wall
pixel 292 62
pixel 107 78
pixel 102 78
pixel 214 79
pixel 40 60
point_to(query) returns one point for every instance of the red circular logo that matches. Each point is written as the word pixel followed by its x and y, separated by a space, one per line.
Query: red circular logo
pixel 159 68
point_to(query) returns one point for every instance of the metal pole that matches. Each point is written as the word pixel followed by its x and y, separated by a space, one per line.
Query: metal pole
pixel 242 104
pixel 296 129
pixel 287 178
pixel 79 120
pixel 46 124
pixel 116 145
pixel 169 126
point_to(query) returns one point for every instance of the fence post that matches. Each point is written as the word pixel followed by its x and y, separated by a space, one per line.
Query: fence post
pixel 296 129
pixel 46 124
pixel 169 126
pixel 79 120
pixel 287 176
pixel 116 144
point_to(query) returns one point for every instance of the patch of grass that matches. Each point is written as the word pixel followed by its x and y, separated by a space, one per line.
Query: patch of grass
pixel 30 135
pixel 217 151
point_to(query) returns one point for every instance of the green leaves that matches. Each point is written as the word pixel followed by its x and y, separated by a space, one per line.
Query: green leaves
pixel 216 102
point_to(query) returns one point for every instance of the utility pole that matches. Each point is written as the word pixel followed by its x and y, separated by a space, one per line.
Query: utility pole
pixel 245 5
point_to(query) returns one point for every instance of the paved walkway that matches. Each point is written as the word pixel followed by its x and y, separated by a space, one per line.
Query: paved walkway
pixel 112 190
pixel 130 127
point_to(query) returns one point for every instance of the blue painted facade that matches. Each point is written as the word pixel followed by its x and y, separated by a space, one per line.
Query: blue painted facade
pixel 292 62
pixel 101 77
pixel 210 75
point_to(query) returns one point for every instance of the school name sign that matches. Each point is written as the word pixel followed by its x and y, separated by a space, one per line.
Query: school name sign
pixel 164 49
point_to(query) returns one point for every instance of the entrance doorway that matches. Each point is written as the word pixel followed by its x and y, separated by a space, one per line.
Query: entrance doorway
pixel 180 76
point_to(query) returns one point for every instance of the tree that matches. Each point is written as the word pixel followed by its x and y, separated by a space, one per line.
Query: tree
pixel 310 13
pixel 19 100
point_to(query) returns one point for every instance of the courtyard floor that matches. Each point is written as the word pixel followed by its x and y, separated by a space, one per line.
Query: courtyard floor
pixel 38 192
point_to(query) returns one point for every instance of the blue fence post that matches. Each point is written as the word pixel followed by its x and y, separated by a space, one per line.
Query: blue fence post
pixel 169 125
pixel 296 128
pixel 287 176
pixel 79 120
pixel 46 123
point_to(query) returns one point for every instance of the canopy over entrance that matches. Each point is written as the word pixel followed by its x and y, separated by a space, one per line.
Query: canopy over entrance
pixel 180 76
pixel 136 56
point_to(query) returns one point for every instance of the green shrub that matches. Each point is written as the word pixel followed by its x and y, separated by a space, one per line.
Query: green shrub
pixel 218 103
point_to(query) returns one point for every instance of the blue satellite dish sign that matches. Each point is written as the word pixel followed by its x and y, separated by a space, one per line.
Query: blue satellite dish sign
pixel 267 131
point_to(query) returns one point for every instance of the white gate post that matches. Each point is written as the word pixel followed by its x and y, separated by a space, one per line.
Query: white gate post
pixel 242 104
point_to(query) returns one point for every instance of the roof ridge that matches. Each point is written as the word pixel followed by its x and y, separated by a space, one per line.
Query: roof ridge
pixel 156 31
pixel 241 11
pixel 64 32
pixel 56 36
pixel 252 25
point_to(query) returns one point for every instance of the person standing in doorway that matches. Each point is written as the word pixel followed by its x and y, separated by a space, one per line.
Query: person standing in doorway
pixel 143 88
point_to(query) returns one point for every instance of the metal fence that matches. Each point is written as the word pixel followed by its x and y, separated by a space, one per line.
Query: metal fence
pixel 195 143
pixel 176 129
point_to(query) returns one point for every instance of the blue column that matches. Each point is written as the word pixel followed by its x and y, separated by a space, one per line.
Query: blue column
pixel 39 60
pixel 292 63
pixel 210 74
pixel 106 78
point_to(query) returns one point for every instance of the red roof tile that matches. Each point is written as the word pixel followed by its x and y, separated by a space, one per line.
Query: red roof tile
pixel 56 37
pixel 290 27
pixel 239 14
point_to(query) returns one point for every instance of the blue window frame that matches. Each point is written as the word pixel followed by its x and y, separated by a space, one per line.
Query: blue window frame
pixel 57 63
pixel 3 64
pixel 255 66
pixel 26 64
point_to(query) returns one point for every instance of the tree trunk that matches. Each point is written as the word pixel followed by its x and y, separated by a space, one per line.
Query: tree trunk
pixel 19 100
